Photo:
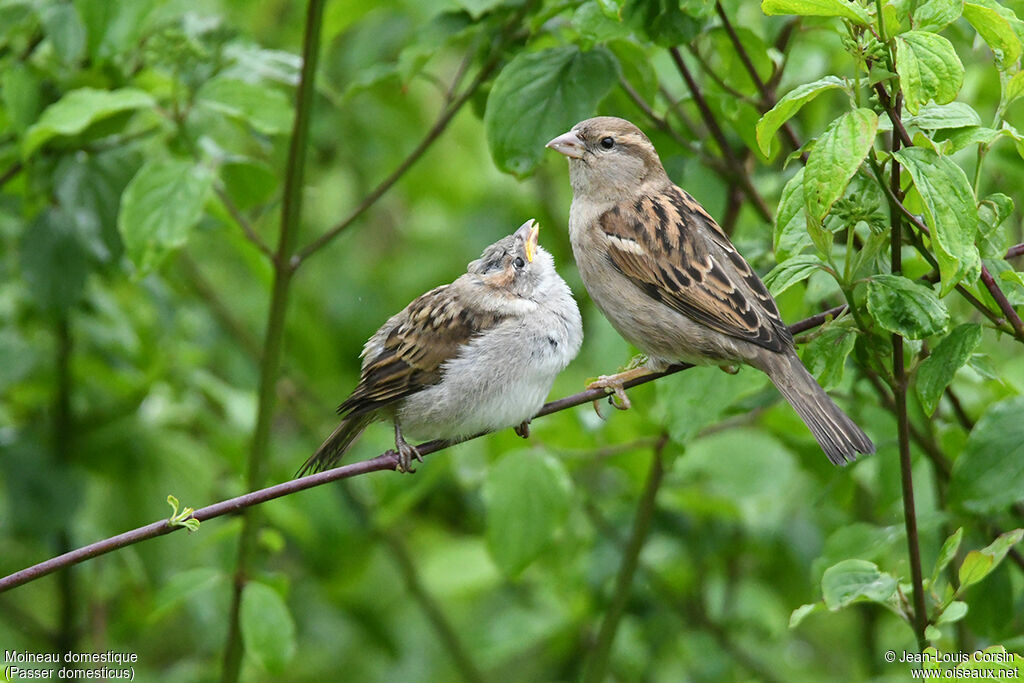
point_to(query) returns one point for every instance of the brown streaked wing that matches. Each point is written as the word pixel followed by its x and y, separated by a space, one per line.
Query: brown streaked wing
pixel 431 330
pixel 654 241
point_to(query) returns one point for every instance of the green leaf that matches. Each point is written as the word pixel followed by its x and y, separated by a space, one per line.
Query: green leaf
pixel 904 307
pixel 791 271
pixel 935 15
pixel 665 22
pixel 248 182
pixel 947 553
pixel 64 28
pixel 951 212
pixel 268 631
pixel 929 69
pixel 527 495
pixel 540 95
pixel 956 611
pixel 945 116
pixel 818 8
pixel 53 262
pixel 989 474
pixel 160 206
pixel 937 371
pixel 836 156
pixel 804 611
pixel 113 26
pixel 79 109
pixel 265 109
pixel 993 211
pixel 825 356
pixel 995 30
pixel 998 548
pixel 790 236
pixel 698 398
pixel 1015 87
pixel 20 91
pixel 852 581
pixel 977 565
pixel 789 105
pixel 993 658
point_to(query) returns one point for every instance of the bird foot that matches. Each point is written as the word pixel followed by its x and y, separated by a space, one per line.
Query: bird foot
pixel 612 384
pixel 406 452
pixel 523 429
pixel 730 369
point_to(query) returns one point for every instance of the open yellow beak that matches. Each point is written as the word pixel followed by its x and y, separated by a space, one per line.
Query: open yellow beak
pixel 531 241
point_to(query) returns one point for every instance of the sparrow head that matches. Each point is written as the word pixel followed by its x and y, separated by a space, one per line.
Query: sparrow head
pixel 609 158
pixel 516 264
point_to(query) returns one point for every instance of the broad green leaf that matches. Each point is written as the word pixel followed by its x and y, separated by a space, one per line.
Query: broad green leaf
pixel 268 631
pixel 989 474
pixel 998 548
pixel 977 565
pixel 950 211
pixel 65 30
pixel 945 116
pixel 113 26
pixel 79 109
pixel 20 92
pixel 264 108
pixel 993 211
pixel 937 371
pixel 53 262
pixel 804 611
pixel 790 236
pixel 852 581
pixel 835 158
pixel 698 398
pixel 971 136
pixel 947 553
pixel 817 8
pixel 248 182
pixel 539 95
pixel 789 105
pixel 161 204
pixel 825 356
pixel 935 15
pixel 995 30
pixel 929 69
pixel 790 272
pixel 1015 87
pixel 904 307
pixel 665 22
pixel 527 495
pixel 956 611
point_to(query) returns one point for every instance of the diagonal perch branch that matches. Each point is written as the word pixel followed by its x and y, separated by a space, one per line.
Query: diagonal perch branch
pixel 385 461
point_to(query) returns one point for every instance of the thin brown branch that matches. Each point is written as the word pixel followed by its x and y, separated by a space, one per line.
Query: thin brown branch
pixel 595 666
pixel 448 112
pixel 742 176
pixel 894 116
pixel 1014 251
pixel 766 92
pixel 14 170
pixel 243 223
pixel 384 461
pixel 689 611
pixel 1004 304
pixel 816 320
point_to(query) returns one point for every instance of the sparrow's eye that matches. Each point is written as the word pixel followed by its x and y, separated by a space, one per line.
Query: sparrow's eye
pixel 607 143
pixel 519 263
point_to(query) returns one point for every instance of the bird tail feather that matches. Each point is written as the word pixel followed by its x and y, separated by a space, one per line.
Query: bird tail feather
pixel 836 433
pixel 331 450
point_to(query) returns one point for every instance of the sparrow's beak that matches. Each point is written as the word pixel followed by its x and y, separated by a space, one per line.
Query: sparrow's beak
pixel 530 232
pixel 568 144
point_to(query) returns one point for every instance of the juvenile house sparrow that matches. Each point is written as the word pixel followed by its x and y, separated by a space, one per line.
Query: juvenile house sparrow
pixel 474 356
pixel 670 281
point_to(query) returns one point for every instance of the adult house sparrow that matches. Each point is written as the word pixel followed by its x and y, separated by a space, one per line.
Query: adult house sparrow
pixel 474 356
pixel 670 281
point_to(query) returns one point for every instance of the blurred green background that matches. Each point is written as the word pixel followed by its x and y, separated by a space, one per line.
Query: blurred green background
pixel 133 312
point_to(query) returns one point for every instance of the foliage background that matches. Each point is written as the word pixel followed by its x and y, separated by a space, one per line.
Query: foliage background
pixel 139 141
